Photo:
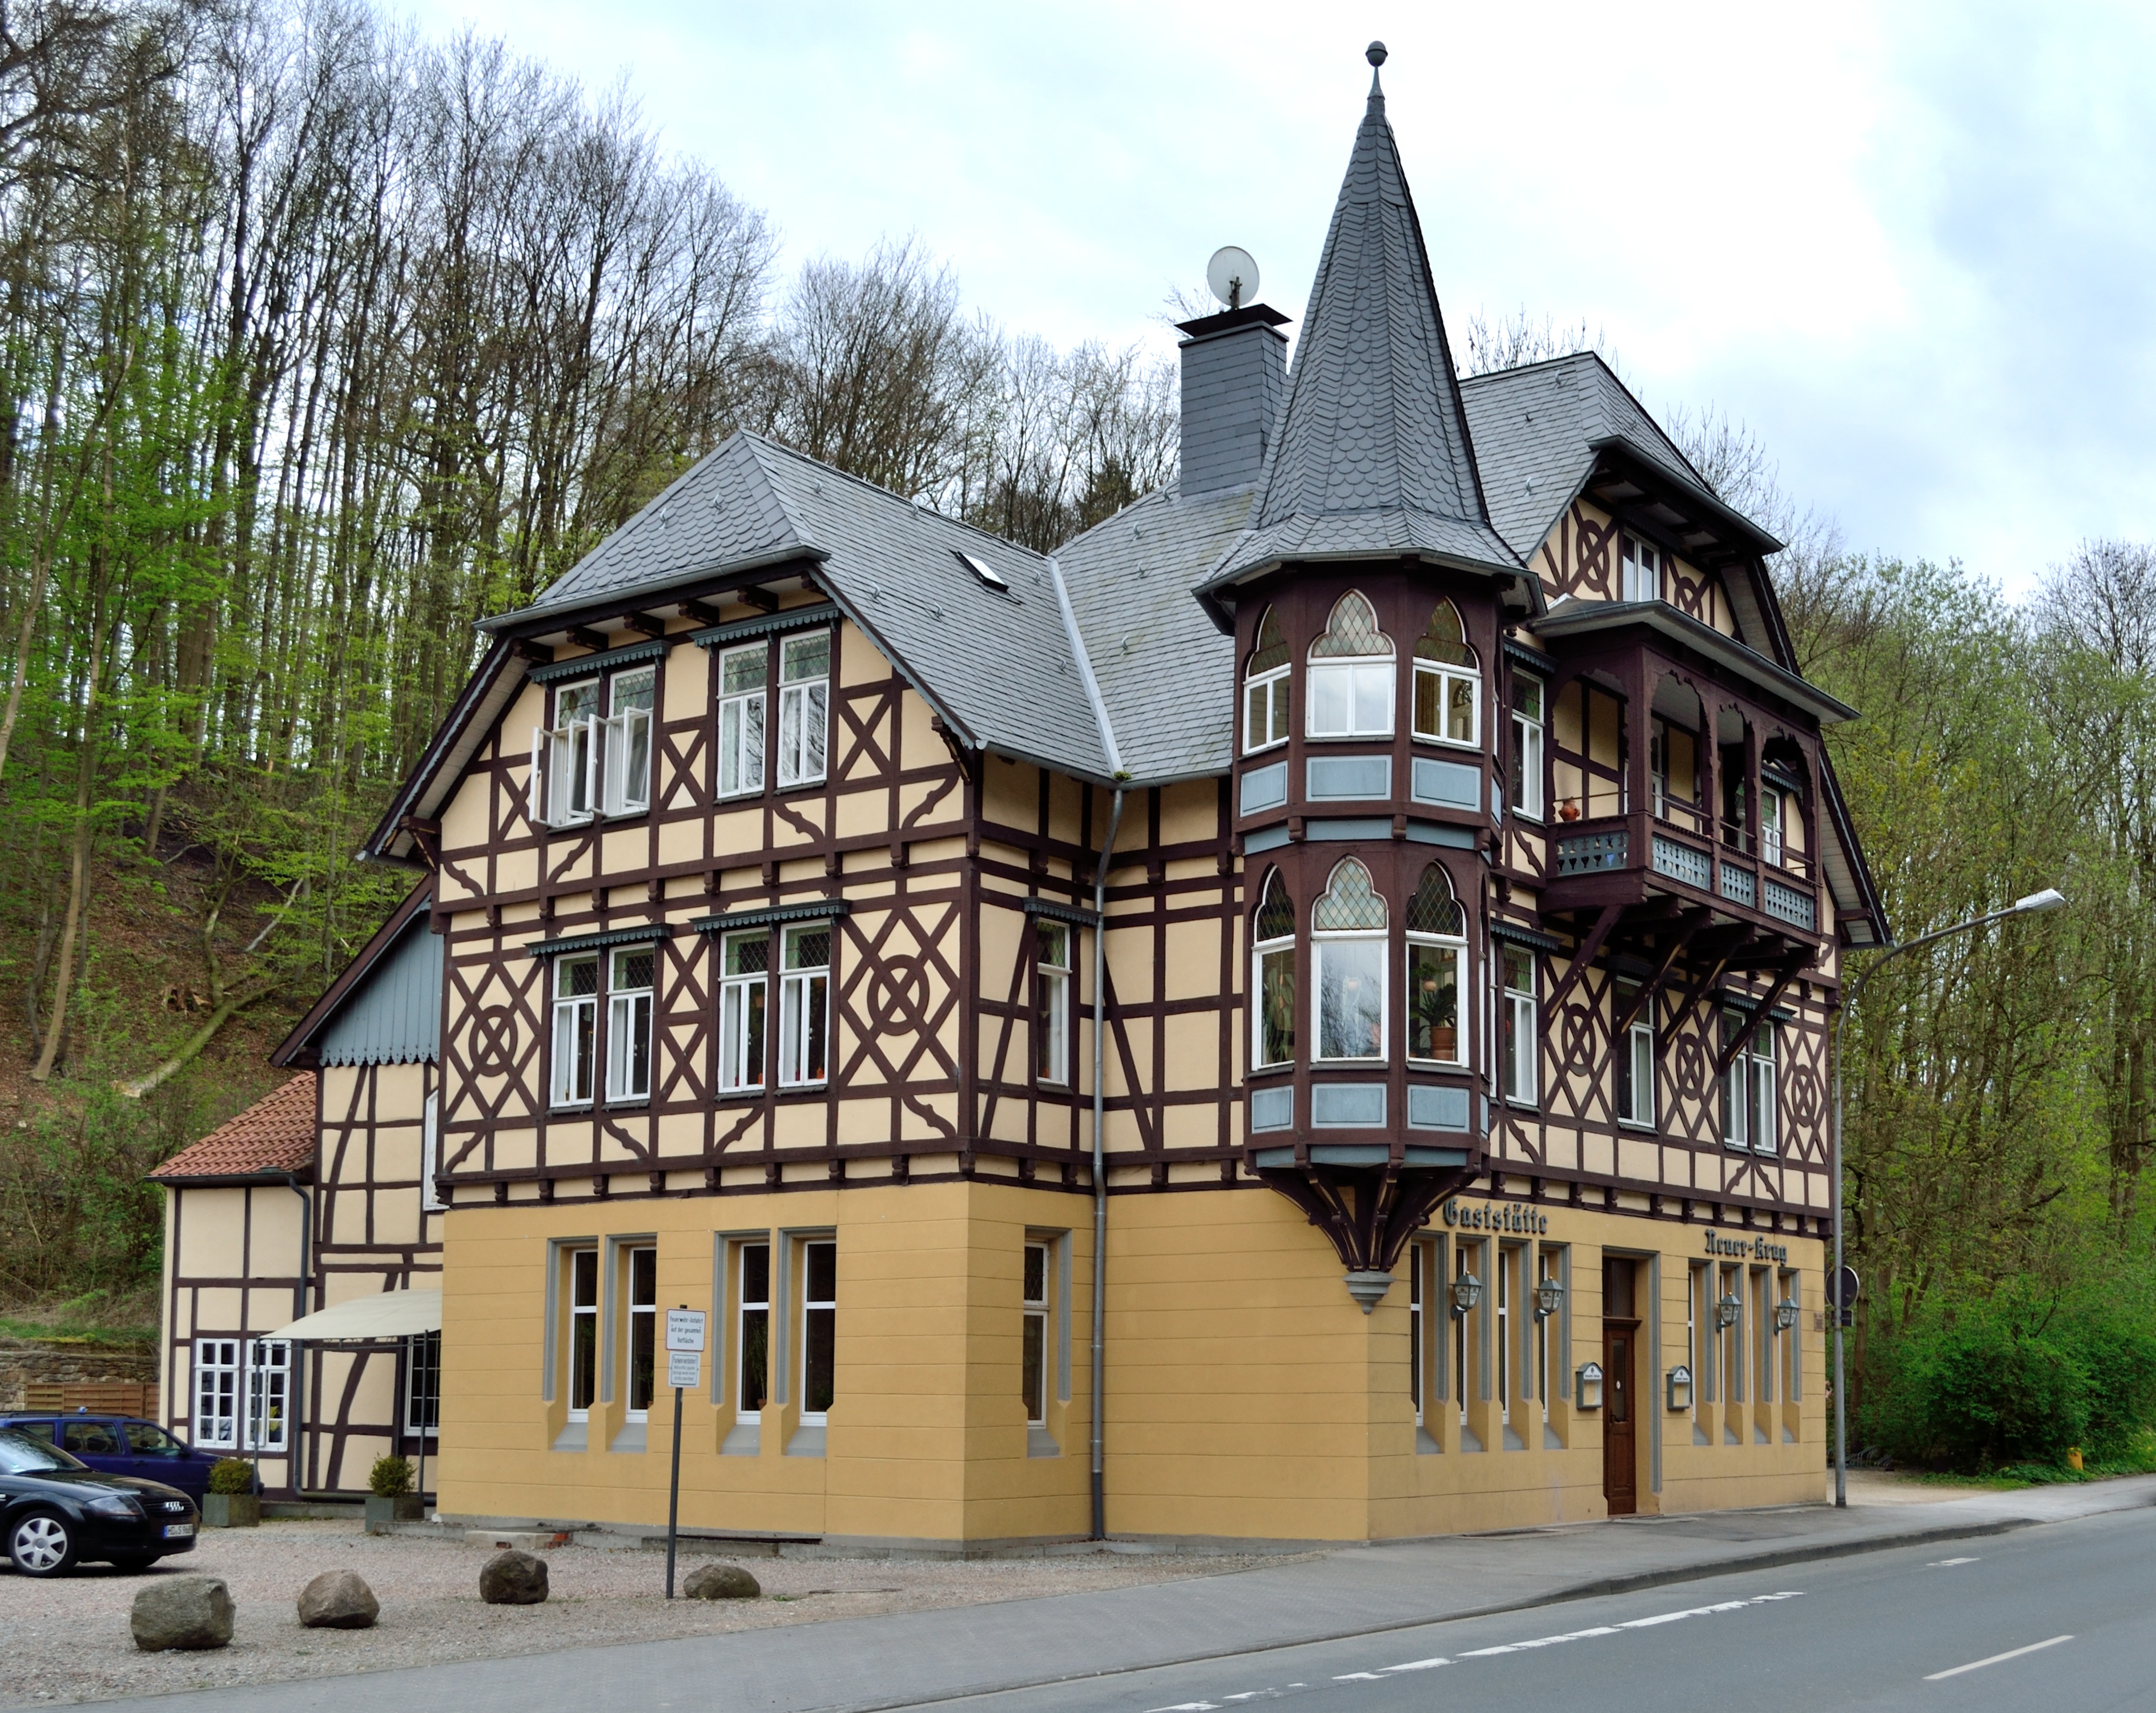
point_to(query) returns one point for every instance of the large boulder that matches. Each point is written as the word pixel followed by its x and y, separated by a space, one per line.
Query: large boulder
pixel 513 1579
pixel 338 1599
pixel 181 1612
pixel 721 1582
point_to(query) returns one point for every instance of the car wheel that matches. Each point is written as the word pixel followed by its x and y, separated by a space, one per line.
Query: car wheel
pixel 134 1564
pixel 42 1545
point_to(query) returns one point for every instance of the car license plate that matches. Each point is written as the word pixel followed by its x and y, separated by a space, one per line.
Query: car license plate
pixel 179 1531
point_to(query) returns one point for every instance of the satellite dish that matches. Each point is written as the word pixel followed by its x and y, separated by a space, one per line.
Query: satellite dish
pixel 1233 275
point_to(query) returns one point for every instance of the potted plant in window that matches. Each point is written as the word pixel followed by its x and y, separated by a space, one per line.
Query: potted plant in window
pixel 232 1502
pixel 390 1498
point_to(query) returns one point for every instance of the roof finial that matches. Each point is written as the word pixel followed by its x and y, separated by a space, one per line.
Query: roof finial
pixel 1375 54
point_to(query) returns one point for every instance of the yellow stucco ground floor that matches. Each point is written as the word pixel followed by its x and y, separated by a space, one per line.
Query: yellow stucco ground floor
pixel 907 1367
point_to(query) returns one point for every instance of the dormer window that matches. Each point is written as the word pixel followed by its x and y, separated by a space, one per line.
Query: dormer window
pixel 1642 566
pixel 1264 688
pixel 1448 682
pixel 1350 693
pixel 1347 949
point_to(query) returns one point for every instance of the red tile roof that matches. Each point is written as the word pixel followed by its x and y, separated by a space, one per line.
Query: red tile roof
pixel 275 1134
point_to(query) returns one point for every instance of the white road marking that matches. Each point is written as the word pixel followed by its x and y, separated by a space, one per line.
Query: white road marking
pixel 1978 1664
pixel 1948 1563
pixel 1579 1635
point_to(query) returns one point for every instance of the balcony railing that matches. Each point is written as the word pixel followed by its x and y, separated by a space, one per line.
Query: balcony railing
pixel 1592 853
pixel 1786 903
pixel 1682 862
pixel 1707 868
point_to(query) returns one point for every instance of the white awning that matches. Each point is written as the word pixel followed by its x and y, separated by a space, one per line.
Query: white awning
pixel 394 1314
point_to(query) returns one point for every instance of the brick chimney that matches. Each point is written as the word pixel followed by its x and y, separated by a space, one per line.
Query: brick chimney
pixel 1234 375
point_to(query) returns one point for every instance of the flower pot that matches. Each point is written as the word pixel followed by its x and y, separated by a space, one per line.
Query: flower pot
pixel 231 1510
pixel 404 1508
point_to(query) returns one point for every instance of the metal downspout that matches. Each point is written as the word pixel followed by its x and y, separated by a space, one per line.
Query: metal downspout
pixel 296 1405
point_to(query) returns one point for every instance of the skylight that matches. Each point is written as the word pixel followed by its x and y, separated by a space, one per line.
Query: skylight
pixel 994 579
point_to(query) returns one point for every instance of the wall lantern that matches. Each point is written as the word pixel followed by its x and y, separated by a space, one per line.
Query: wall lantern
pixel 1726 1313
pixel 1785 1315
pixel 1549 1297
pixel 1680 1388
pixel 1588 1386
pixel 1467 1292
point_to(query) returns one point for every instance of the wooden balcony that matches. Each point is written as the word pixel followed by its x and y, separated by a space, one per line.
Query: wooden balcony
pixel 1626 860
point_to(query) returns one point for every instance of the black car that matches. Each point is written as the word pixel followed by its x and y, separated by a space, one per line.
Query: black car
pixel 56 1513
pixel 120 1446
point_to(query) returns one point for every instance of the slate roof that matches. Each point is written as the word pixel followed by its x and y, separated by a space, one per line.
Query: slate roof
pixel 1537 430
pixel 1373 454
pixel 275 1134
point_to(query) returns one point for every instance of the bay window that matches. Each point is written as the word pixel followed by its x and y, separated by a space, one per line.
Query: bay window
pixel 1448 682
pixel 1522 1079
pixel 1349 693
pixel 629 1025
pixel 1437 970
pixel 576 1026
pixel 741 719
pixel 1348 953
pixel 1272 977
pixel 804 1005
pixel 1052 1022
pixel 745 960
pixel 1265 687
pixel 805 691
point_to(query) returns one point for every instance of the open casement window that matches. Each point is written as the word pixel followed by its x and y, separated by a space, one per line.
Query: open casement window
pixel 1522 1028
pixel 625 747
pixel 1052 1022
pixel 1272 977
pixel 820 1327
pixel 804 695
pixel 216 1393
pixel 804 1005
pixel 744 963
pixel 1265 687
pixel 1437 970
pixel 1448 682
pixel 565 759
pixel 1635 1061
pixel 1347 946
pixel 1642 569
pixel 752 1383
pixel 1350 691
pixel 576 1028
pixel 1528 797
pixel 628 1023
pixel 1033 1342
pixel 583 1332
pixel 643 1341
pixel 741 719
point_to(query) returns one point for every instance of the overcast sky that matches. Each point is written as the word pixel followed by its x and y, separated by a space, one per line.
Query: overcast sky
pixel 1912 246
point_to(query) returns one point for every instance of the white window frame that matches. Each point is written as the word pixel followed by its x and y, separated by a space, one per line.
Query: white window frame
pixel 1266 694
pixel 1447 675
pixel 1773 808
pixel 641 1319
pixel 1035 1348
pixel 1051 1057
pixel 1458 949
pixel 740 722
pixel 629 1012
pixel 1508 1255
pixel 575 1035
pixel 625 751
pixel 1320 945
pixel 268 1394
pixel 416 1394
pixel 1523 1068
pixel 1642 566
pixel 1417 1262
pixel 805 997
pixel 585 1315
pixel 803 712
pixel 565 757
pixel 1368 680
pixel 745 1307
pixel 1546 1267
pixel 1637 1082
pixel 744 1023
pixel 811 1418
pixel 1529 767
pixel 217 1373
pixel 1751 1114
pixel 431 1152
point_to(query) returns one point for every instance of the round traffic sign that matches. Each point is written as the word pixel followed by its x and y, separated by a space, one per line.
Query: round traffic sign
pixel 1841 1288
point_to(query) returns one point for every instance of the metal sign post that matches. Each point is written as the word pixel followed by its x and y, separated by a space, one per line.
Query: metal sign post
pixel 685 1371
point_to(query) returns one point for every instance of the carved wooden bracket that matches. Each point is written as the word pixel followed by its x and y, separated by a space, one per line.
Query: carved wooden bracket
pixel 1368 1209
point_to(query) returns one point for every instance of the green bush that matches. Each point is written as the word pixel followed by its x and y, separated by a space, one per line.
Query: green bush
pixel 2120 1360
pixel 391 1477
pixel 232 1474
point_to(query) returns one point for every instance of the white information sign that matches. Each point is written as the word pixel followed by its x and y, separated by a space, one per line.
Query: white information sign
pixel 685 1329
pixel 684 1368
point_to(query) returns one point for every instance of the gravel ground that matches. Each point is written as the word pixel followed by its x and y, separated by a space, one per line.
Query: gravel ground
pixel 68 1640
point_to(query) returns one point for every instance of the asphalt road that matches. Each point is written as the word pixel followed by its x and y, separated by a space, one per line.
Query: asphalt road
pixel 2060 1615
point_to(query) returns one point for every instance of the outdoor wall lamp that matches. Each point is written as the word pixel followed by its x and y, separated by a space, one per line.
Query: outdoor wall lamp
pixel 1726 1313
pixel 1467 1292
pixel 1549 1297
pixel 1588 1385
pixel 1785 1315
pixel 1680 1388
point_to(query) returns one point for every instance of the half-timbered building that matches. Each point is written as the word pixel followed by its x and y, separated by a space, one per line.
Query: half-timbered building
pixel 1298 1017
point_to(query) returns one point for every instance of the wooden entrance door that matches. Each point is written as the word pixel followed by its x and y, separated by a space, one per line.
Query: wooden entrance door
pixel 1619 1447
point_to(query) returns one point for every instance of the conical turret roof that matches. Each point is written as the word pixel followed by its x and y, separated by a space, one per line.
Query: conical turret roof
pixel 1373 456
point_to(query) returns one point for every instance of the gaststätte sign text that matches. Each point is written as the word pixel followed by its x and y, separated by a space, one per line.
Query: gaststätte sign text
pixel 1496 1215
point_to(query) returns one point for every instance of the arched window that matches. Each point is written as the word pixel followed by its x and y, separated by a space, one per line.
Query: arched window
pixel 1437 970
pixel 1448 681
pixel 1272 977
pixel 1347 950
pixel 1265 687
pixel 1351 675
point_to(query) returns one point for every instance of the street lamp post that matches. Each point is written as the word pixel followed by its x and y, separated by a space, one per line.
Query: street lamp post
pixel 2034 905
